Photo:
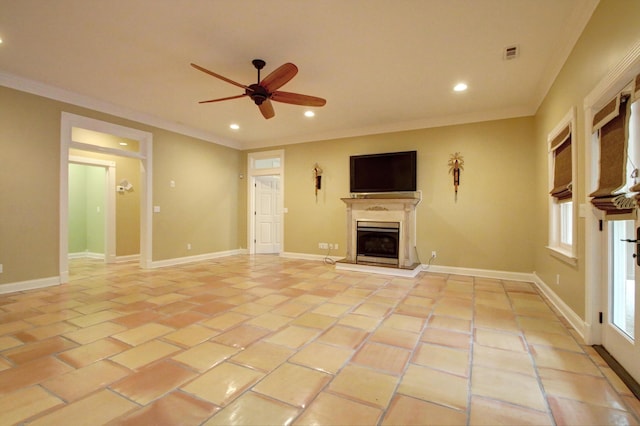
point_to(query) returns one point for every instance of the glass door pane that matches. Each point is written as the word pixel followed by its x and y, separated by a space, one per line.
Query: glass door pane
pixel 622 296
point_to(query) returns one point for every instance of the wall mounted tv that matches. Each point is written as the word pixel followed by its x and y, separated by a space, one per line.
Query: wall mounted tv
pixel 387 172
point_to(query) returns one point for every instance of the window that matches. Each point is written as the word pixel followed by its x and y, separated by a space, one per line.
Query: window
pixel 566 225
pixel 561 192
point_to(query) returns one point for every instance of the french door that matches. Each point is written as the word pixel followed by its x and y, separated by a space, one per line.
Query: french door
pixel 621 332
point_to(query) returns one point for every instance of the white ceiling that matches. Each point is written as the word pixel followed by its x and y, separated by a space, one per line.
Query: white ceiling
pixel 382 65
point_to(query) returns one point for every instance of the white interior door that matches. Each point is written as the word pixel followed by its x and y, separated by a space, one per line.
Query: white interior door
pixel 267 214
pixel 621 328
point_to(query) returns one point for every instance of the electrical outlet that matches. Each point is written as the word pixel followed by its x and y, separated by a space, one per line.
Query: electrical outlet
pixel 557 279
pixel 331 246
pixel 0 268
pixel 335 246
pixel 188 246
pixel 323 245
pixel 433 254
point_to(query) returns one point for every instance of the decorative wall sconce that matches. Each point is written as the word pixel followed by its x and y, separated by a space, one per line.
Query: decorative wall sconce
pixel 456 165
pixel 317 179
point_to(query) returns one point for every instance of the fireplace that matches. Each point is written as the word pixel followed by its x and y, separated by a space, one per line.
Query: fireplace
pixel 377 242
pixel 381 230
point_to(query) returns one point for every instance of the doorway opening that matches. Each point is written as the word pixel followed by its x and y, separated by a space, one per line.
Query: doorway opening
pixel 91 210
pixel 72 145
pixel 611 261
pixel 265 215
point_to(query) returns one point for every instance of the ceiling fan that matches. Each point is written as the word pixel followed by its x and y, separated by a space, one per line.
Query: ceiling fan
pixel 266 90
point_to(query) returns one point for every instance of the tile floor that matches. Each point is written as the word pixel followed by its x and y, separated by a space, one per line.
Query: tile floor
pixel 268 340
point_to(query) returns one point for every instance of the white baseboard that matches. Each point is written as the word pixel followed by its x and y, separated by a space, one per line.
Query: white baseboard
pixel 574 319
pixel 86 255
pixel 483 273
pixel 191 259
pixel 306 256
pixel 129 258
pixel 29 285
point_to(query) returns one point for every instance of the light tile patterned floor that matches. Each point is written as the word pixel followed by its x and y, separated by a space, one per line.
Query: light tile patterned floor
pixel 267 340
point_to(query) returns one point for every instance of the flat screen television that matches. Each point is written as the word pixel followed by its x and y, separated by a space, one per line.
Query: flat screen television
pixel 387 172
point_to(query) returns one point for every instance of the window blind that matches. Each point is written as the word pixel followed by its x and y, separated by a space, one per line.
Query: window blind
pixel 562 171
pixel 611 124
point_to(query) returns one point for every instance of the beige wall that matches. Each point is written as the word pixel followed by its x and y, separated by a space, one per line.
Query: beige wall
pixel 29 180
pixel 487 228
pixel 609 35
pixel 202 209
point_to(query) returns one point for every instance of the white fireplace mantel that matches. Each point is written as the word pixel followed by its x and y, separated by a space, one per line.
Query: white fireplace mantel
pixel 401 210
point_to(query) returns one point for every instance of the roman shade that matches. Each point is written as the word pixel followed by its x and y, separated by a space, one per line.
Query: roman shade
pixel 562 169
pixel 612 125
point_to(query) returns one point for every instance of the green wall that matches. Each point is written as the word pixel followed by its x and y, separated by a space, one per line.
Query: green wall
pixel 86 209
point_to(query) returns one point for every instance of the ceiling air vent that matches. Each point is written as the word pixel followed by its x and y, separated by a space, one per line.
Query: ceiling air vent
pixel 511 52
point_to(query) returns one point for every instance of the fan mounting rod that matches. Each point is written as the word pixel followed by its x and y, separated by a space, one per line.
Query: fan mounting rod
pixel 259 64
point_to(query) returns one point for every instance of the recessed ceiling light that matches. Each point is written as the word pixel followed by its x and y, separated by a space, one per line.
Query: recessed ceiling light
pixel 123 144
pixel 309 113
pixel 460 87
pixel 234 126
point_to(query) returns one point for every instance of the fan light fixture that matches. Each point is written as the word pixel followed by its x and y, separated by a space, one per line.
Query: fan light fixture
pixel 309 114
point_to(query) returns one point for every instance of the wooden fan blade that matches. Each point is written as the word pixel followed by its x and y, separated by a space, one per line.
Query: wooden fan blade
pixel 279 77
pixel 198 67
pixel 297 99
pixel 266 108
pixel 223 99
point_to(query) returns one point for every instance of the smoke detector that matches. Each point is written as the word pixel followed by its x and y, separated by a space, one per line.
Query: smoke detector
pixel 511 52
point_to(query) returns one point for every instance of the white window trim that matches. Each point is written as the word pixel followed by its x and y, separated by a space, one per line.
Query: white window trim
pixel 563 252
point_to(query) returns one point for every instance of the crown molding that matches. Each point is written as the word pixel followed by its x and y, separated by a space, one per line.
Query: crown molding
pixel 41 89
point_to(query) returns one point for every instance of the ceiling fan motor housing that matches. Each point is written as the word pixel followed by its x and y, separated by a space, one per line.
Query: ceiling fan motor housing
pixel 257 93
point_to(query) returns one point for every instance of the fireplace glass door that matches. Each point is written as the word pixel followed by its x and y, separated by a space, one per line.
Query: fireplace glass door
pixel 377 242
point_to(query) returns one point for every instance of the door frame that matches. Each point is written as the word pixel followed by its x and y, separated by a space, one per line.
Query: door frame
pixel 110 202
pixel 615 81
pixel 271 178
pixel 253 172
pixel 145 139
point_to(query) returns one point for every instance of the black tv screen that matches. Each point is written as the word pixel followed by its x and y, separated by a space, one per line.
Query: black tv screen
pixel 388 172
